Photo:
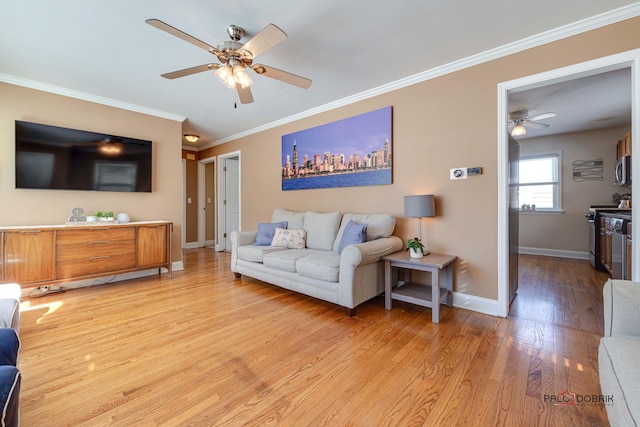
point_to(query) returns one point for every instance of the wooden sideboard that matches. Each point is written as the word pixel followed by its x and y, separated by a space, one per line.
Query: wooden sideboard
pixel 35 255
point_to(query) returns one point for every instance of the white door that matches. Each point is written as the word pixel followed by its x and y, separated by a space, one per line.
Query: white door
pixel 231 198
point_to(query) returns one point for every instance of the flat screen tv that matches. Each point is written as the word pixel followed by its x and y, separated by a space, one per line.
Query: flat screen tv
pixel 51 157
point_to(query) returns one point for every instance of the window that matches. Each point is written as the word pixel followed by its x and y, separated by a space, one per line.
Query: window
pixel 540 183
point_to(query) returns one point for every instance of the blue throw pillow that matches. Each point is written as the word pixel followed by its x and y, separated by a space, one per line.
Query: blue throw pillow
pixel 353 233
pixel 266 231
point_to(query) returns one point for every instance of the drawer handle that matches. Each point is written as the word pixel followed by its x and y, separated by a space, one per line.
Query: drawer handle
pixel 31 232
pixel 98 229
pixel 99 258
pixel 101 242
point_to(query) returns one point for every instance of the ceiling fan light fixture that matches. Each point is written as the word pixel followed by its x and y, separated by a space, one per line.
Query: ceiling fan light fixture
pixel 191 138
pixel 241 77
pixel 225 76
pixel 518 130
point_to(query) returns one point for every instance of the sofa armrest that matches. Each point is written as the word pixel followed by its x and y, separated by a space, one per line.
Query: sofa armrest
pixel 369 252
pixel 621 300
pixel 242 238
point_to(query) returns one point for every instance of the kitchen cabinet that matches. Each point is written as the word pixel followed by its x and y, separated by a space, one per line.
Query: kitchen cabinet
pixel 28 256
pixel 623 148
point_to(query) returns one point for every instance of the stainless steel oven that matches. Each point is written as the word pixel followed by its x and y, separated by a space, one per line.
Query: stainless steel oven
pixel 618 248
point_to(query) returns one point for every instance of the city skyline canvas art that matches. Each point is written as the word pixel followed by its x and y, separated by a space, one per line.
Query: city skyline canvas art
pixel 355 151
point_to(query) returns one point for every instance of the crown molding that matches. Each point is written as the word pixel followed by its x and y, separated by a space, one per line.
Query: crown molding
pixel 45 87
pixel 578 27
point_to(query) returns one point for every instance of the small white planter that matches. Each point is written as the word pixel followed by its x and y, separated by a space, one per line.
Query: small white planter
pixel 416 253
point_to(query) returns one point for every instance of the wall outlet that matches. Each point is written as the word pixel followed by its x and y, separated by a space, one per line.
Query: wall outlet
pixel 458 173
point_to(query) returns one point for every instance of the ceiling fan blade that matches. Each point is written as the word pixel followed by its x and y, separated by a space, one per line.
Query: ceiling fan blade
pixel 182 35
pixel 283 76
pixel 270 36
pixel 189 71
pixel 536 125
pixel 245 95
pixel 542 116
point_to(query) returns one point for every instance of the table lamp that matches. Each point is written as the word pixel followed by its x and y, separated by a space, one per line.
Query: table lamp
pixel 422 206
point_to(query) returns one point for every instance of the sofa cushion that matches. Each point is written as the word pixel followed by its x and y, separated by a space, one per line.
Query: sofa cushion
pixel 294 220
pixel 619 358
pixel 378 225
pixel 322 229
pixel 353 234
pixel 256 253
pixel 266 231
pixel 291 239
pixel 284 260
pixel 323 265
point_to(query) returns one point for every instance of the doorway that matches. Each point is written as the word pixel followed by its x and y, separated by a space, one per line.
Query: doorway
pixel 630 60
pixel 207 217
pixel 228 200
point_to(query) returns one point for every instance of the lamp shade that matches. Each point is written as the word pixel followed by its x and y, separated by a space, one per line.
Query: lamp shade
pixel 419 206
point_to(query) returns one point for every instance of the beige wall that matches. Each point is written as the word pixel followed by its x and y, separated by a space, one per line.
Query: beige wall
pixel 33 207
pixel 569 231
pixel 438 124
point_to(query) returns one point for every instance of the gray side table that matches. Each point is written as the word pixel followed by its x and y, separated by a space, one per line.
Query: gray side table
pixel 417 293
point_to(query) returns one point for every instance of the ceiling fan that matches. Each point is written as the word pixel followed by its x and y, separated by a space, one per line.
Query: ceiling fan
pixel 520 120
pixel 235 58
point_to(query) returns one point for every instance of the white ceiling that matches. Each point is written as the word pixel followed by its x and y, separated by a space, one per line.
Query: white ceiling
pixel 582 104
pixel 104 51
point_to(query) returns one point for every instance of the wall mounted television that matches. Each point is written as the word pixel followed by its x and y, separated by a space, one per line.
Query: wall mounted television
pixel 51 157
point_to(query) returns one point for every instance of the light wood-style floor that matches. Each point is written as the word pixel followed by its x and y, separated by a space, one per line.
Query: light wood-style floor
pixel 204 349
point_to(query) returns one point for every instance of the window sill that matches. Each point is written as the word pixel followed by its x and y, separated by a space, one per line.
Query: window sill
pixel 540 212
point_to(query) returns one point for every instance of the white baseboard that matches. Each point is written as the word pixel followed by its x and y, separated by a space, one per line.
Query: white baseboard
pixel 191 245
pixel 474 303
pixel 559 253
pixel 176 266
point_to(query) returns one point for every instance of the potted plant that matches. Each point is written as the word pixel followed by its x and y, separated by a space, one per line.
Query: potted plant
pixel 415 248
pixel 105 215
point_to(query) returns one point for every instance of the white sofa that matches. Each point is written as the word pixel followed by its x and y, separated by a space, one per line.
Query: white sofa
pixel 319 269
pixel 619 352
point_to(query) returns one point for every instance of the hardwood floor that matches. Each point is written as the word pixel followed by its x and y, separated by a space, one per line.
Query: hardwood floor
pixel 205 349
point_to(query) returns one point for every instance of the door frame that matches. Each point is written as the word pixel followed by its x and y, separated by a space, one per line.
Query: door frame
pixel 629 59
pixel 220 207
pixel 202 237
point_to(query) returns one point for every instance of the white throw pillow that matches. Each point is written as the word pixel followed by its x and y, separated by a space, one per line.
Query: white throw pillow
pixel 292 239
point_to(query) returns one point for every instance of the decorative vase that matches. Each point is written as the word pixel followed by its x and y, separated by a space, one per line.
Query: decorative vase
pixel 416 253
pixel 123 218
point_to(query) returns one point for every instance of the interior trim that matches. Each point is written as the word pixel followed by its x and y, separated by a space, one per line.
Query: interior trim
pixel 45 87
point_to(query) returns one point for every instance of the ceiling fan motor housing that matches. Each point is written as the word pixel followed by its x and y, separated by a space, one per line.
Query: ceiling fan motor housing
pixel 235 32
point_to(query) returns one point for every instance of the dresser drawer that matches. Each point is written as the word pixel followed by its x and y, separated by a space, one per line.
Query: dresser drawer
pixel 99 248
pixel 95 265
pixel 95 235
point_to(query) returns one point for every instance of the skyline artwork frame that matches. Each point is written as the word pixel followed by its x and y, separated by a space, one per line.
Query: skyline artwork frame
pixel 351 152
